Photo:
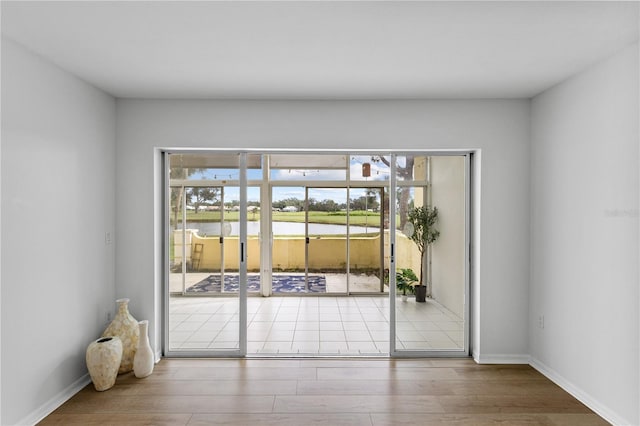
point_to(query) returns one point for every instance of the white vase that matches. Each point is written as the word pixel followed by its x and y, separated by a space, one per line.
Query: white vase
pixel 144 358
pixel 103 361
pixel 126 328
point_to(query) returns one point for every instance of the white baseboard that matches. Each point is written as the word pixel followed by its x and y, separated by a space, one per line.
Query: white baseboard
pixel 588 400
pixel 50 406
pixel 501 358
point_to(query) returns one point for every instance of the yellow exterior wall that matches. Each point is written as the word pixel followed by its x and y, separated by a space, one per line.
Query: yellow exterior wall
pixel 407 254
pixel 365 253
pixel 328 253
pixel 210 260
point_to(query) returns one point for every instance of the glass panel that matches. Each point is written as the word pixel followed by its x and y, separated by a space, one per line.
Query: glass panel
pixel 231 238
pixel 369 167
pixel 411 168
pixel 178 247
pixel 204 219
pixel 431 251
pixel 366 241
pixel 220 167
pixel 327 240
pixel 202 323
pixel 288 229
pixel 308 167
pixel 254 214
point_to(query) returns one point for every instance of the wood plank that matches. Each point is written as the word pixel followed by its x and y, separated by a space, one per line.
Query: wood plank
pixel 479 404
pixel 169 404
pixel 484 420
pixel 208 387
pixel 357 404
pixel 116 419
pixel 281 419
pixel 240 373
pixel 391 373
pixel 520 388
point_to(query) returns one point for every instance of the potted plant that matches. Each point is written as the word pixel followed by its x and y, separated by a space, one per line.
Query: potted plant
pixel 423 233
pixel 406 280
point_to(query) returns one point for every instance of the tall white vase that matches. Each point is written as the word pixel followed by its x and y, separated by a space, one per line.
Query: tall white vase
pixel 144 359
pixel 126 328
pixel 103 361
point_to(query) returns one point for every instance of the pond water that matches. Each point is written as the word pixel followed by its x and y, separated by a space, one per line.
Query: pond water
pixel 282 228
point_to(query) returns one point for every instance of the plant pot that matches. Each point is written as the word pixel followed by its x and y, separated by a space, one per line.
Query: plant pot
pixel 421 293
pixel 404 297
pixel 103 361
pixel 126 328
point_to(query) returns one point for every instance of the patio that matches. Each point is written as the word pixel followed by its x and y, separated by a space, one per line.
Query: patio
pixel 312 325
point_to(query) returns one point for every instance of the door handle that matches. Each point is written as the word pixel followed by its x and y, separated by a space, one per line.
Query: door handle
pixel 307 240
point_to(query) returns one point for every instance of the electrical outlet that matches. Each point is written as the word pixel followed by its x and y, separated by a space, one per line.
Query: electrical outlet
pixel 541 321
pixel 107 238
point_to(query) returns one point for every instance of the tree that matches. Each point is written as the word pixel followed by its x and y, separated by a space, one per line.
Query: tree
pixel 406 173
pixel 424 233
pixel 200 196
pixel 291 201
pixel 180 173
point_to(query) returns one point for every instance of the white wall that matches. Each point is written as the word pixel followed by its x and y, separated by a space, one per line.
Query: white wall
pixel 584 249
pixel 448 252
pixel 499 127
pixel 58 163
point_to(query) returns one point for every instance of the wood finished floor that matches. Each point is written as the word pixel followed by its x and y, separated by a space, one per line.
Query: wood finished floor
pixel 327 392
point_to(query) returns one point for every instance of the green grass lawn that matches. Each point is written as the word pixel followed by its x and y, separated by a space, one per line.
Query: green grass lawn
pixel 334 218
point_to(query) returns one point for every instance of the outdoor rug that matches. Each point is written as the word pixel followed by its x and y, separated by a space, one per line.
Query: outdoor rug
pixel 280 284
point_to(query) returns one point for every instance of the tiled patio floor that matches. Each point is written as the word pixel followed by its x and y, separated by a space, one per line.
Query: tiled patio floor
pixel 313 325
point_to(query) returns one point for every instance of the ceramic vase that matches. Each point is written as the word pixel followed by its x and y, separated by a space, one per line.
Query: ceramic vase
pixel 144 358
pixel 126 328
pixel 103 361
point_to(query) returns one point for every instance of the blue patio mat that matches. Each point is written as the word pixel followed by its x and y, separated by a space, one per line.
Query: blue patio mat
pixel 280 284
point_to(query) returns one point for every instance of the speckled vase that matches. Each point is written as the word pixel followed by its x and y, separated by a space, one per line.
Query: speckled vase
pixel 144 359
pixel 125 326
pixel 103 361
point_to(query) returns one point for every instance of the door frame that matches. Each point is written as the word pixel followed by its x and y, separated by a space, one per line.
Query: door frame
pixel 471 214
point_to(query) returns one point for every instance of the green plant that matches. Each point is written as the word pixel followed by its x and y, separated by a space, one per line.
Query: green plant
pixel 423 220
pixel 406 279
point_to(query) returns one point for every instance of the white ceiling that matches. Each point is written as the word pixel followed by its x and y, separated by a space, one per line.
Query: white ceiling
pixel 322 50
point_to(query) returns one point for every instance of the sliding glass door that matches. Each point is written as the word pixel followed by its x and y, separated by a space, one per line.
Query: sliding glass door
pixel 389 228
pixel 207 254
pixel 431 257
